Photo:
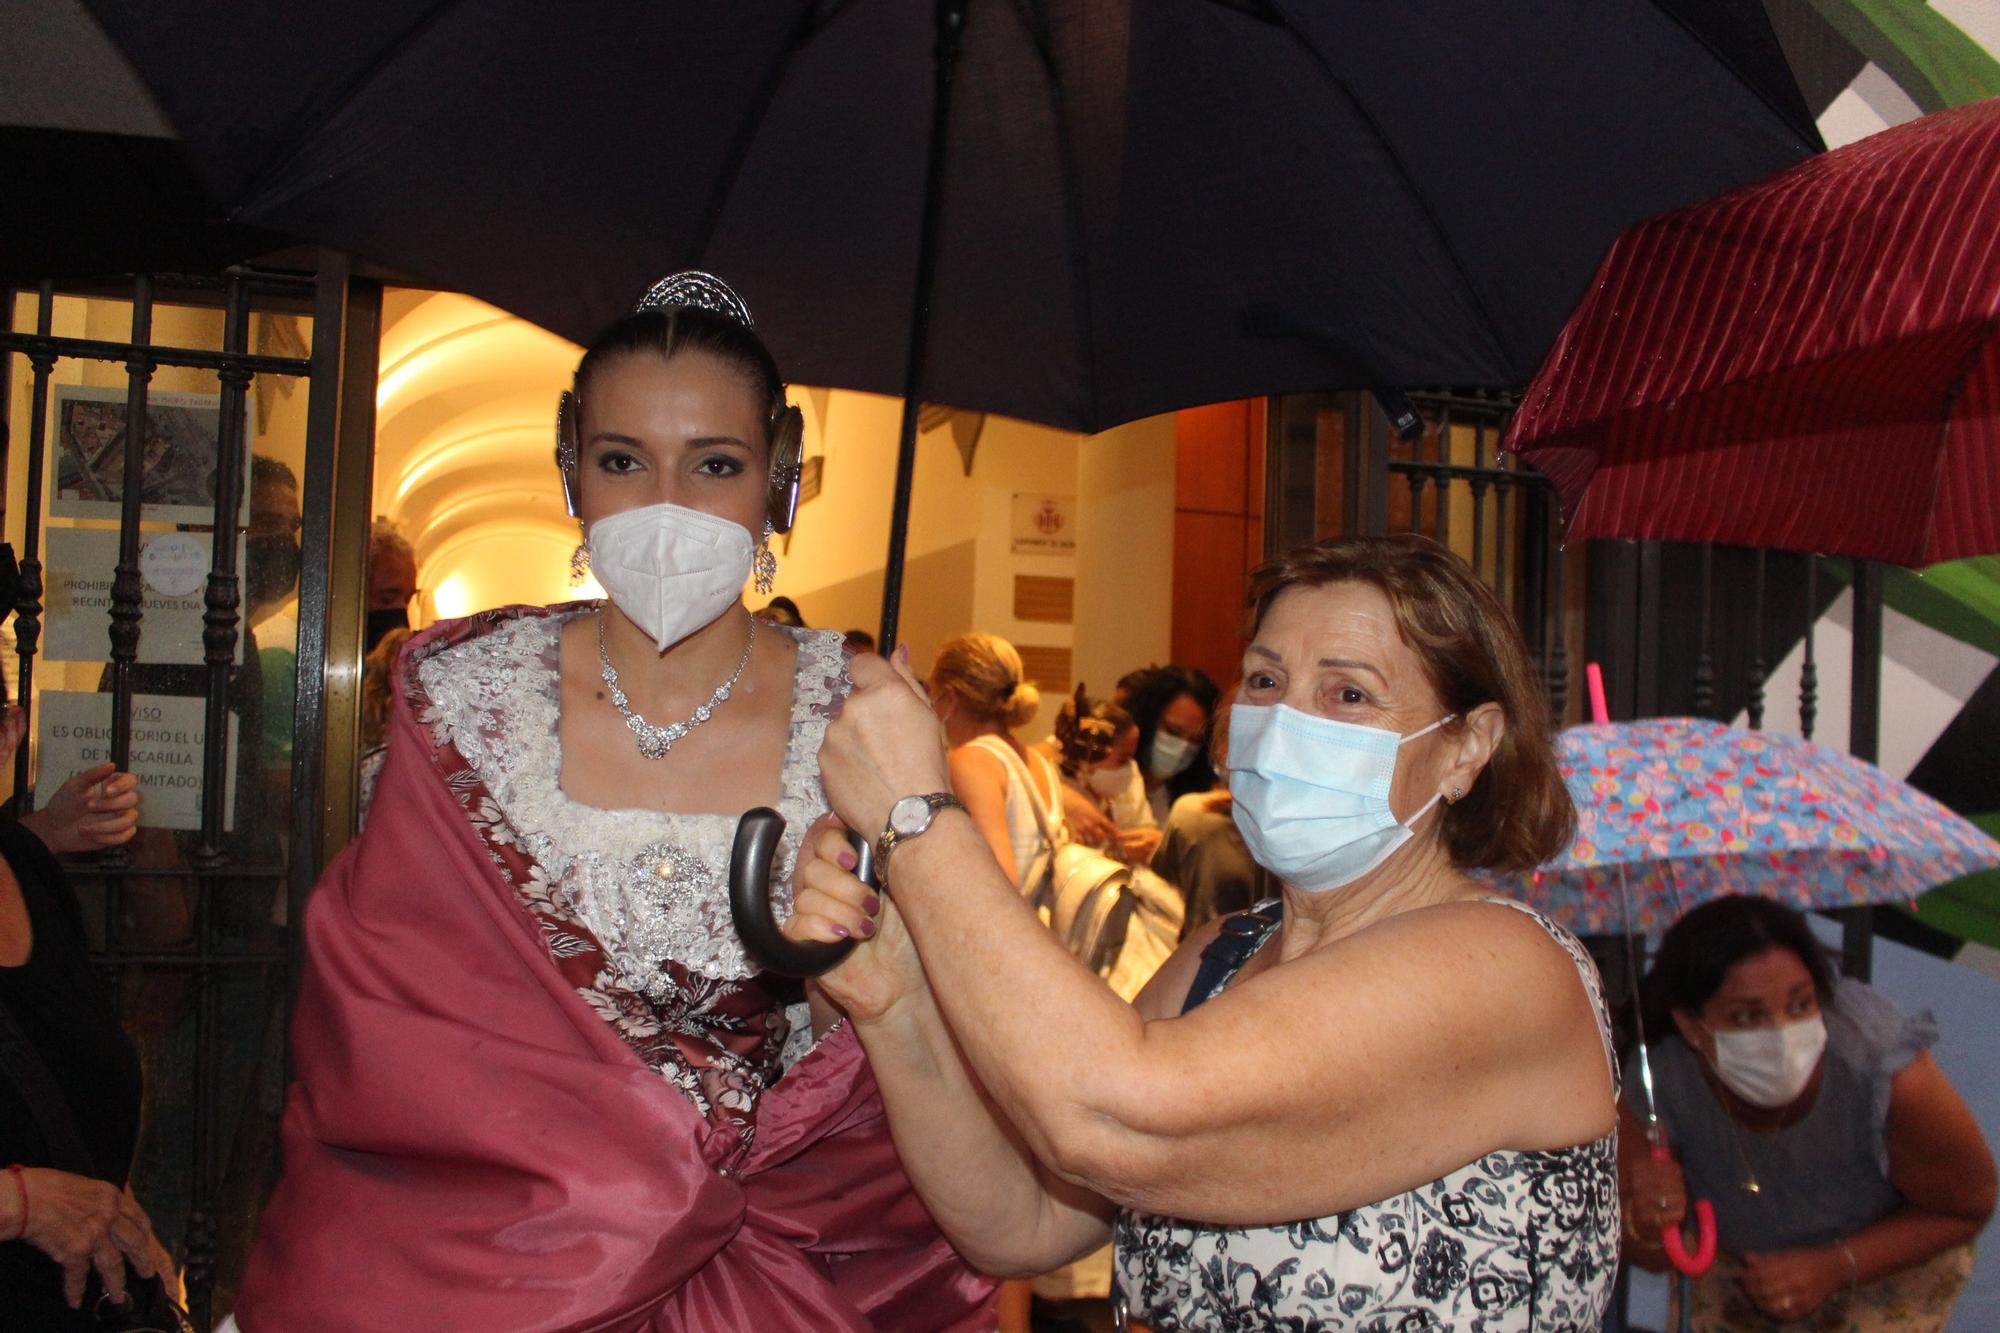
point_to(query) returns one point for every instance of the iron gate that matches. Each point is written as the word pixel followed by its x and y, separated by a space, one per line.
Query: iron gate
pixel 242 732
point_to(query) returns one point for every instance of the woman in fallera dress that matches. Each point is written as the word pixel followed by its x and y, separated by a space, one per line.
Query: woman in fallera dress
pixel 540 1084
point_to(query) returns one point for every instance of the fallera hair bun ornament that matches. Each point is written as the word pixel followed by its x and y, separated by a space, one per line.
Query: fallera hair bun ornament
pixel 699 290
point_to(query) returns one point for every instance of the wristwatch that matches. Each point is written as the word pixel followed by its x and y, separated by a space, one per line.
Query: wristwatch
pixel 907 818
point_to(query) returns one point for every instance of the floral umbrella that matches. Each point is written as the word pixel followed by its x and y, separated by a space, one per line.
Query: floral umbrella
pixel 1691 810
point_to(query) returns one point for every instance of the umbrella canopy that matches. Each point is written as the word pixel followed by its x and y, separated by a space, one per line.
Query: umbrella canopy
pixel 1808 363
pixel 1148 206
pixel 1684 810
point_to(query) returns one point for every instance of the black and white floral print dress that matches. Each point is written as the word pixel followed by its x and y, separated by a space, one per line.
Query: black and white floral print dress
pixel 1516 1242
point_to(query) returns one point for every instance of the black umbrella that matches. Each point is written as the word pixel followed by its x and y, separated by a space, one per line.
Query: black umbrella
pixel 1148 206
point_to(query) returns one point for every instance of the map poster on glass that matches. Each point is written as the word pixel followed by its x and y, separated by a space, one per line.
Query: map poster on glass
pixel 173 572
pixel 87 448
pixel 73 732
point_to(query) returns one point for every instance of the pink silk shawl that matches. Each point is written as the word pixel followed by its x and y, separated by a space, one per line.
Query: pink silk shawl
pixel 468 1145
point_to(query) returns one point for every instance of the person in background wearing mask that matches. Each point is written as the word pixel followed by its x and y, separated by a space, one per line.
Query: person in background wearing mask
pixel 392 580
pixel 1202 851
pixel 1173 706
pixel 538 1079
pixel 270 608
pixel 1422 1070
pixel 1848 1176
pixel 1094 744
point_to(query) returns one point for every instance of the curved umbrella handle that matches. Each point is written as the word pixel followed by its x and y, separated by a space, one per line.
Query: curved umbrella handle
pixel 750 859
pixel 1694 1265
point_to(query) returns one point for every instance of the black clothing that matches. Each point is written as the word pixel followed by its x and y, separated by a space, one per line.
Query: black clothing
pixel 61 1007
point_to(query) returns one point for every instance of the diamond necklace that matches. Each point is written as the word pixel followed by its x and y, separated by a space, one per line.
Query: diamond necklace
pixel 654 742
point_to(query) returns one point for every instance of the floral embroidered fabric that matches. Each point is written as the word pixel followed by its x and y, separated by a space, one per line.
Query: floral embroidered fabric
pixel 633 903
pixel 1516 1242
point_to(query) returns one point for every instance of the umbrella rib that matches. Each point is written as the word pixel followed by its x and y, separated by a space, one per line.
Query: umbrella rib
pixel 292 145
pixel 1034 19
pixel 1966 365
pixel 1489 328
pixel 811 20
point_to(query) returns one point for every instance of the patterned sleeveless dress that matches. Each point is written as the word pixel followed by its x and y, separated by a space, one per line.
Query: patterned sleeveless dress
pixel 1515 1242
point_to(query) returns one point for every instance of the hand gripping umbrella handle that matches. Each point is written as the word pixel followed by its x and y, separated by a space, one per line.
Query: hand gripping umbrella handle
pixel 1694 1265
pixel 757 836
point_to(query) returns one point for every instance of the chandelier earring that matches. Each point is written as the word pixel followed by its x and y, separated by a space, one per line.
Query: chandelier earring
pixel 579 559
pixel 766 564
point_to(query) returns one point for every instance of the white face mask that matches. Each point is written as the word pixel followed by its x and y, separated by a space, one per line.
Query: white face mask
pixel 1770 1067
pixel 1311 795
pixel 1169 755
pixel 670 570
pixel 1110 782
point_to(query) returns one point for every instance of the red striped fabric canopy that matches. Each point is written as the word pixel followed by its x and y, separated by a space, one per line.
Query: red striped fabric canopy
pixel 1808 363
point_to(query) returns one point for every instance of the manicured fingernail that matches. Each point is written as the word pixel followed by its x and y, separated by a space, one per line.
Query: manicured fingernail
pixel 846 861
pixel 840 931
pixel 871 904
pixel 867 930
pixel 903 654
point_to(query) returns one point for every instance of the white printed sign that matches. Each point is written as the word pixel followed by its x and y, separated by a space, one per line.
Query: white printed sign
pixel 173 569
pixel 73 733
pixel 1044 525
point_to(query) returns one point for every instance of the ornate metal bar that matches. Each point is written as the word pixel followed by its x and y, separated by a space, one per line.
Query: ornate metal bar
pixel 221 629
pixel 84 349
pixel 1558 669
pixel 1704 662
pixel 1479 486
pixel 127 591
pixel 1441 520
pixel 1758 669
pixel 1809 670
pixel 28 605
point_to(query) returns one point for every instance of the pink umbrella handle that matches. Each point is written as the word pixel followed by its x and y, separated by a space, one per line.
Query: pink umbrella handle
pixel 1595 675
pixel 1694 1265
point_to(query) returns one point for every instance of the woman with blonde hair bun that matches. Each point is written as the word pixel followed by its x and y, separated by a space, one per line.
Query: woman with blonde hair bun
pixel 980 692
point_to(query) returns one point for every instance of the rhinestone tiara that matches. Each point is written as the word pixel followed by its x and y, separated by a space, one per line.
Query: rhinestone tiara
pixel 703 291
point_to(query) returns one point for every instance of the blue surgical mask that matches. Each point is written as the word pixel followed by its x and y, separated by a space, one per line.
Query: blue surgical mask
pixel 1311 794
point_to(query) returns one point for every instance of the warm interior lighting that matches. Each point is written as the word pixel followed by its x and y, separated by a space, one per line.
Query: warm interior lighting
pixel 452 598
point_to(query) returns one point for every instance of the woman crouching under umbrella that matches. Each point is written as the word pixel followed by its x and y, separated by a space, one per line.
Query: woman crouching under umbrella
pixel 1847 1174
pixel 538 1079
pixel 1381 1099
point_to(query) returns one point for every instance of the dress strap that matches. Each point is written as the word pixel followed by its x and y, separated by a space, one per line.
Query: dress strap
pixel 1243 933
pixel 1593 984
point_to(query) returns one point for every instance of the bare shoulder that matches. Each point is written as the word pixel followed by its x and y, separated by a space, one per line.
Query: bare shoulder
pixel 1488 945
pixel 1166 994
pixel 977 764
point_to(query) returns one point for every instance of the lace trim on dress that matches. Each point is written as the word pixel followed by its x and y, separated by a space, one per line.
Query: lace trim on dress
pixel 633 903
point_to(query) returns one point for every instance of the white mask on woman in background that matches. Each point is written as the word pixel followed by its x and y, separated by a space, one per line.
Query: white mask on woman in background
pixel 1770 1067
pixel 671 570
pixel 1111 782
pixel 1169 756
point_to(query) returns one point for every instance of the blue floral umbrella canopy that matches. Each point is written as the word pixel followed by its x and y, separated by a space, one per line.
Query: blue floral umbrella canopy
pixel 1691 810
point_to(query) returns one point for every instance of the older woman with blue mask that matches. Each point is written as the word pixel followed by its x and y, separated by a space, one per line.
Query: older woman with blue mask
pixel 1384 1097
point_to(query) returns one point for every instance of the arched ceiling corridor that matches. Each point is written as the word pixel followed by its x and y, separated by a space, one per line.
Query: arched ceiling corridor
pixel 465 437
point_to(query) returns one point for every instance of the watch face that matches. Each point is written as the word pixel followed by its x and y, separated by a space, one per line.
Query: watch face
pixel 910 815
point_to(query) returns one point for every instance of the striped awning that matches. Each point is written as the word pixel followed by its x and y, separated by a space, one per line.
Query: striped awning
pixel 1808 363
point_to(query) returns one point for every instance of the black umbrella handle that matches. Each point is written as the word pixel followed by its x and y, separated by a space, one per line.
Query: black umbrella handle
pixel 758 834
